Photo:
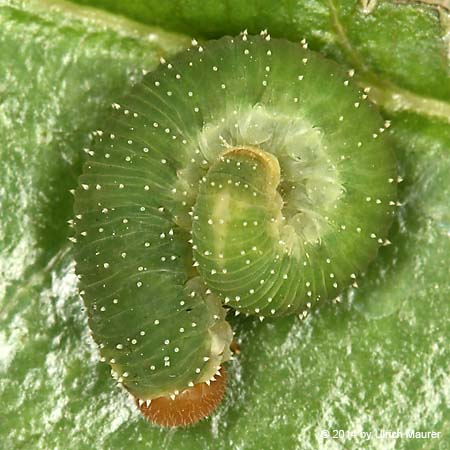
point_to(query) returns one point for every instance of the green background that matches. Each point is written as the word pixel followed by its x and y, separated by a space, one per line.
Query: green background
pixel 377 359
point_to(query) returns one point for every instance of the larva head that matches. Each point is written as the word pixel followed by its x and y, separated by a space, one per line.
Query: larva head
pixel 248 172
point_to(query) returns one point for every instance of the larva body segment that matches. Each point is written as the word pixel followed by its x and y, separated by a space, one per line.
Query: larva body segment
pixel 336 179
pixel 248 173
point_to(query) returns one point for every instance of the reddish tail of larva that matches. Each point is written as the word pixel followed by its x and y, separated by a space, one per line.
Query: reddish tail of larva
pixel 188 407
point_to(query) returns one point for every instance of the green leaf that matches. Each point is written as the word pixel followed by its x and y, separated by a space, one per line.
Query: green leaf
pixel 377 360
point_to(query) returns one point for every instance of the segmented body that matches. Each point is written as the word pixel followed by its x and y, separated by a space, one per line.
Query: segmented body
pixel 248 173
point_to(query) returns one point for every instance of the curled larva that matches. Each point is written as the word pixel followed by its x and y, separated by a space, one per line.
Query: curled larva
pixel 248 173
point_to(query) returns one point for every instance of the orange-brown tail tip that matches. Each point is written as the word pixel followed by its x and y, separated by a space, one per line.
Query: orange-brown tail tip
pixel 188 407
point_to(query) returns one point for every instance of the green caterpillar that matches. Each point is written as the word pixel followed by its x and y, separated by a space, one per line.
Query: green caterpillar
pixel 248 173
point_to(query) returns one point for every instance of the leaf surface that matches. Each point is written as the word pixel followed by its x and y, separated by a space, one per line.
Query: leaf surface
pixel 379 359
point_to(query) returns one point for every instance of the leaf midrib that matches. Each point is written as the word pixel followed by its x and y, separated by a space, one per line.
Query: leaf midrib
pixel 385 93
pixel 389 96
